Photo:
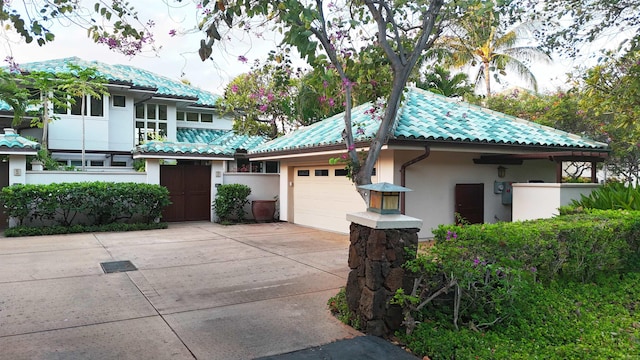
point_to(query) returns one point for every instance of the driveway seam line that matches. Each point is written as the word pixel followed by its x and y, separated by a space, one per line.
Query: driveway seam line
pixel 251 302
pixel 160 314
pixel 79 326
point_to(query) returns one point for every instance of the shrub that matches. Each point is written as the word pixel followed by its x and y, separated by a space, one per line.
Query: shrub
pixel 474 275
pixel 611 196
pixel 94 202
pixel 339 308
pixel 58 229
pixel 230 201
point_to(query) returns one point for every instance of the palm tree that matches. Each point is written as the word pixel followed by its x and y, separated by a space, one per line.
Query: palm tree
pixel 440 81
pixel 479 40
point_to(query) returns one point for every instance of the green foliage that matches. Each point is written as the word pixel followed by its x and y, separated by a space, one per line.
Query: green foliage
pixel 562 320
pixel 491 290
pixel 612 196
pixel 481 40
pixel 440 81
pixel 115 24
pixel 339 308
pixel 78 228
pixel 96 203
pixel 475 274
pixel 230 201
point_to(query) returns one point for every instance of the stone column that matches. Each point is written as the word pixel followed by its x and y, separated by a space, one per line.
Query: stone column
pixel 376 255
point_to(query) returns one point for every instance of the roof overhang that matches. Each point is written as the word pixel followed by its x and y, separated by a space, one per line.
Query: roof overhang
pixel 15 151
pixel 556 156
pixel 315 151
pixel 178 156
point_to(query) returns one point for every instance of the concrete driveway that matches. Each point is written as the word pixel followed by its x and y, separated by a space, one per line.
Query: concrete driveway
pixel 201 291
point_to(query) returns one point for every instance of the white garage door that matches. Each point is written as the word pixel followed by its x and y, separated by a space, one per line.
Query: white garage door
pixel 322 196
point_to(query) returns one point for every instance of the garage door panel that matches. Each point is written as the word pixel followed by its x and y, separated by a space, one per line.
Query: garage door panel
pixel 323 201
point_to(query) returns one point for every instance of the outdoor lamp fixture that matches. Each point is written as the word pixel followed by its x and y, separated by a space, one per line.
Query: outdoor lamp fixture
pixel 502 171
pixel 384 198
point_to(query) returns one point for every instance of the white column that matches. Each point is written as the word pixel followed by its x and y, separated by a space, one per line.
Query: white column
pixel 152 167
pixel 17 169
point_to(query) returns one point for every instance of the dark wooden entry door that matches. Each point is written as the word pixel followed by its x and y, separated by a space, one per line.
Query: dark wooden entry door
pixel 189 190
pixel 470 202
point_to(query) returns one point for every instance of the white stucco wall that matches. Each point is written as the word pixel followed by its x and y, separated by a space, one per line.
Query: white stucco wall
pixel 539 201
pixel 121 126
pixel 433 182
pixel 263 186
pixel 50 177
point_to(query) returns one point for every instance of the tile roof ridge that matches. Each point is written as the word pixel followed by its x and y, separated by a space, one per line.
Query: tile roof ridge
pixel 462 103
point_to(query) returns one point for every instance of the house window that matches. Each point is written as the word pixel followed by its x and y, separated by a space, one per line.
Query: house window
pixel 119 101
pixel 321 172
pixel 93 106
pixel 206 118
pixel 303 172
pixel 340 172
pixel 271 167
pixel 254 167
pixel 151 122
pixel 194 117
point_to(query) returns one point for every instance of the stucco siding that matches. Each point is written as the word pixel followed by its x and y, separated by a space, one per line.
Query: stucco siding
pixel 433 183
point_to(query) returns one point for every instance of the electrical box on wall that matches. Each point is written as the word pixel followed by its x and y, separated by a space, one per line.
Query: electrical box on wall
pixel 507 193
pixel 506 189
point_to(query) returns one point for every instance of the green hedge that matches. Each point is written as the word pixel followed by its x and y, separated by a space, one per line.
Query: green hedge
pixel 573 247
pixel 474 274
pixel 74 229
pixel 230 201
pixel 85 203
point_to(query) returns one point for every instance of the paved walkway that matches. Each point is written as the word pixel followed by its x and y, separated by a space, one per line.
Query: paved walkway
pixel 201 291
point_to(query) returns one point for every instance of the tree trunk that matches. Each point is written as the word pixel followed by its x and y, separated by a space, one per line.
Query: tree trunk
pixel 487 79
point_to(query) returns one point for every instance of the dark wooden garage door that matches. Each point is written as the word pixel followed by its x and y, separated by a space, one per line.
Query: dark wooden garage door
pixel 190 192
pixel 470 202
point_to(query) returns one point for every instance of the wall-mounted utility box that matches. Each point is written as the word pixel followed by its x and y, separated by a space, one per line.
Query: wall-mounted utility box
pixel 507 193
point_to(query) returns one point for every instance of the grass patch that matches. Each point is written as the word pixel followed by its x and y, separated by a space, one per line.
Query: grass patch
pixel 560 320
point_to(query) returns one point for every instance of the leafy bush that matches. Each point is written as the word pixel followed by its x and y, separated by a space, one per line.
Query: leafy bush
pixel 230 201
pixel 611 196
pixel 474 275
pixel 94 202
pixel 560 320
pixel 58 229
pixel 555 288
pixel 340 309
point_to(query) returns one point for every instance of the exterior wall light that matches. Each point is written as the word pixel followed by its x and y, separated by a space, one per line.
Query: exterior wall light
pixel 502 171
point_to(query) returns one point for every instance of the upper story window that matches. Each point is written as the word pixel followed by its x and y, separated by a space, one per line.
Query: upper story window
pixel 119 100
pixel 194 117
pixel 151 122
pixel 92 106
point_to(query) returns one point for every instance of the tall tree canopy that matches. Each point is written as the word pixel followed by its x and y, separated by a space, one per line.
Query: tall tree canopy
pixel 479 40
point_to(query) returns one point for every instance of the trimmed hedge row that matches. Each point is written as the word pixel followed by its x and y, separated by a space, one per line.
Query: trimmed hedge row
pixel 572 247
pixel 85 203
pixel 75 229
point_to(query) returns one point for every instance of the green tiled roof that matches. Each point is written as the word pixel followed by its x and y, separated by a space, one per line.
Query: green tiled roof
pixel 431 117
pixel 203 142
pixel 17 142
pixel 168 147
pixel 129 75
pixel 225 138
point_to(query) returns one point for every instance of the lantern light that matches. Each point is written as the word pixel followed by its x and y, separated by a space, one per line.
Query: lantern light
pixel 384 198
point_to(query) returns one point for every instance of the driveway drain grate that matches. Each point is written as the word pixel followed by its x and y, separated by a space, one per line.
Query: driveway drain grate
pixel 117 266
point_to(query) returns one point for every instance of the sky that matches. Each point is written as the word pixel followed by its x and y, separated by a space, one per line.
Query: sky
pixel 177 56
